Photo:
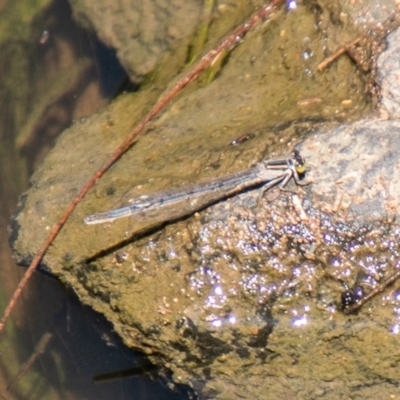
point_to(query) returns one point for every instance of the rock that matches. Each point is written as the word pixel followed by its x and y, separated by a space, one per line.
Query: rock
pixel 244 298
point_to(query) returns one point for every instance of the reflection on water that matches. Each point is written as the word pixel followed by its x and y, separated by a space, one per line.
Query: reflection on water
pixel 53 347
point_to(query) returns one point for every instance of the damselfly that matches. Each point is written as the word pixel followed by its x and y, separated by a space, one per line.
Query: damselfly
pixel 267 173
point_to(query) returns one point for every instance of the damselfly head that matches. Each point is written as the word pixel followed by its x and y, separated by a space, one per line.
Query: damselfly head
pixel 300 163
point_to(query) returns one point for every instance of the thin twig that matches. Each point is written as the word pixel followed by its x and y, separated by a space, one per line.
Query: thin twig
pixel 329 60
pixel 379 289
pixel 226 45
pixel 40 348
pixel 385 28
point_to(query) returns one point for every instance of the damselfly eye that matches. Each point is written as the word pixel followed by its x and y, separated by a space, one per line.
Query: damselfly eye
pixel 301 169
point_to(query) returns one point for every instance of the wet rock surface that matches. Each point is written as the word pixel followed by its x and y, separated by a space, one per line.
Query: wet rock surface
pixel 242 299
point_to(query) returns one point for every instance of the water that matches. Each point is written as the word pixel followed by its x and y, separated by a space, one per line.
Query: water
pixel 53 347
